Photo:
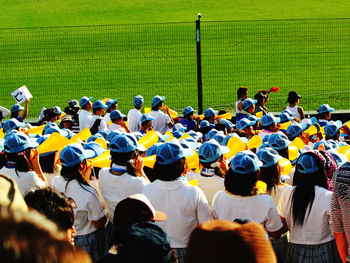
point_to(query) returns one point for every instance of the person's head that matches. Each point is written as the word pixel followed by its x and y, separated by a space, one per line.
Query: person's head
pixel 295 130
pixel 12 124
pixel 269 122
pixel 260 98
pixel 55 207
pixel 242 93
pixel 146 122
pixel 138 102
pixel 30 237
pixel 249 105
pixel 265 94
pixel 246 125
pixel 85 103
pixel 279 142
pixel 204 127
pixel 117 117
pixel 241 178
pixel 332 130
pixel 209 115
pixel 18 149
pixel 16 110
pixel 231 242
pixel 99 108
pixel 157 102
pixel 170 161
pixel 111 105
pixel 49 162
pixel 269 171
pixel 293 98
pixel 325 112
pixel 188 113
pixel 66 122
pixel 73 106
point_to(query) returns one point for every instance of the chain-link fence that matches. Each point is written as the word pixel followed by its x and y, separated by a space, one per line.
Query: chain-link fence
pixel 121 61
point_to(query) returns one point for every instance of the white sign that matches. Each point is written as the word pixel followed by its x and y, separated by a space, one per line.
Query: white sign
pixel 21 94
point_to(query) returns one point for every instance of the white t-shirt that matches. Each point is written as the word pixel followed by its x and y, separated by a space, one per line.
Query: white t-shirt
pixel 259 208
pixel 160 122
pixel 26 181
pixel 134 120
pixel 277 192
pixel 317 227
pixel 85 202
pixel 102 125
pixel 84 119
pixel 107 118
pixel 115 188
pixel 294 110
pixel 116 128
pixel 185 205
pixel 209 185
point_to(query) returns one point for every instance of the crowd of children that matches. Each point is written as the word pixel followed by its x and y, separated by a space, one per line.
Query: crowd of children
pixel 104 186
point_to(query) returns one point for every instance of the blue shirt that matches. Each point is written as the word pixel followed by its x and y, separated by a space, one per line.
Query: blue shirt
pixel 189 125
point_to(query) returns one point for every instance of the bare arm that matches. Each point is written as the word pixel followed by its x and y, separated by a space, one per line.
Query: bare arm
pixel 301 113
pixel 25 113
pixel 278 233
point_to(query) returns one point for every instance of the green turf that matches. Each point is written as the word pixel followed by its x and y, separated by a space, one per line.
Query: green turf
pixel 58 63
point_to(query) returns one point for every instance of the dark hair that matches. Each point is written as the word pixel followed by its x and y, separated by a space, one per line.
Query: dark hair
pixel 260 98
pixel 220 127
pixel 284 153
pixel 241 184
pixel 95 110
pixel 21 160
pixel 169 172
pixel 123 159
pixel 241 91
pixel 217 170
pixel 47 162
pixel 14 114
pixel 138 107
pixel 304 193
pixel 270 176
pixel 53 205
pixel 334 137
pixel 204 130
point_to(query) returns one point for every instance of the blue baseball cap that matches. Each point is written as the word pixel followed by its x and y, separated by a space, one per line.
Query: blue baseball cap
pixel 153 149
pixel 95 147
pixel 18 142
pixel 307 164
pixel 195 135
pixel 98 104
pixel 104 133
pixel 248 103
pixel 171 152
pixel 209 112
pixel 294 129
pixel 162 137
pixel 110 135
pixel 243 123
pixel 50 129
pixel 228 137
pixel 326 145
pixel 245 162
pixel 333 143
pixel 110 102
pixel 12 124
pixel 16 108
pixel 339 158
pixel 253 118
pixel 220 137
pixel 229 125
pixel 325 108
pixel 191 142
pixel 178 127
pixel 266 139
pixel 122 143
pixel 188 110
pixel 84 100
pixel 268 119
pixel 138 101
pixel 268 156
pixel 157 99
pixel 204 124
pixel 74 154
pixel 95 137
pixel 332 127
pixel 137 135
pixel 211 151
pixel 278 141
pixel 57 110
pixel 116 114
pixel 146 117
pixel 285 117
pixel 211 134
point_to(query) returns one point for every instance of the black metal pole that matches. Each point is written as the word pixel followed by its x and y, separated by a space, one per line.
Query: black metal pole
pixel 199 66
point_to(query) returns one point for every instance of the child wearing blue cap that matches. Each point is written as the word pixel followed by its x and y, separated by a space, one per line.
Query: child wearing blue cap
pixel 22 162
pixel 269 125
pixel 242 94
pixel 125 176
pixel 324 115
pixel 210 116
pixel 112 105
pixel 211 177
pixel 185 205
pixel 293 100
pixel 146 123
pixel 97 122
pixel 118 124
pixel 306 208
pixel 240 200
pixel 161 121
pixel 189 120
pixel 248 109
pixel 89 217
pixel 16 111
pixel 134 115
pixel 3 114
pixel 84 113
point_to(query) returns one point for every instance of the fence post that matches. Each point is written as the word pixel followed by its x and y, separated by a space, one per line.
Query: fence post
pixel 199 66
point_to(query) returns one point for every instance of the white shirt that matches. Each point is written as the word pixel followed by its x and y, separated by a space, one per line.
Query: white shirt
pixel 115 188
pixel 27 181
pixel 259 208
pixel 184 204
pixel 160 122
pixel 134 120
pixel 276 192
pixel 107 118
pixel 317 226
pixel 84 119
pixel 85 202
pixel 294 110
pixel 102 125
pixel 116 128
pixel 209 185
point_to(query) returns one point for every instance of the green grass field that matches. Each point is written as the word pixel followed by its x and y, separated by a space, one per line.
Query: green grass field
pixel 120 61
